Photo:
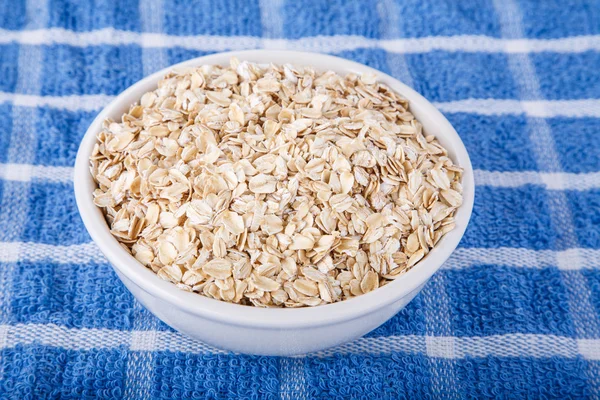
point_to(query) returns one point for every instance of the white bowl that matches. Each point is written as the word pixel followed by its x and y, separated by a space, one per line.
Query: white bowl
pixel 255 330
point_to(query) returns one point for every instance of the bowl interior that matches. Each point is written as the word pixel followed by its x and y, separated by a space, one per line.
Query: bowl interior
pixel 433 123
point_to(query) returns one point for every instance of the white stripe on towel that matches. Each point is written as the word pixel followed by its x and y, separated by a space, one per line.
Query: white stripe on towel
pixel 534 108
pixel 448 347
pixel 324 44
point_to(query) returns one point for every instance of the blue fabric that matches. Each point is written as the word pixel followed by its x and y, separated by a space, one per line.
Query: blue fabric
pixel 540 18
pixel 522 320
pixel 336 17
pixel 8 54
pixel 473 75
pixel 88 15
pixel 579 140
pixel 90 70
pixel 577 81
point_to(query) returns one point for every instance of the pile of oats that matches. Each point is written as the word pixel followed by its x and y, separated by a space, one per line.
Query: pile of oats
pixel 274 186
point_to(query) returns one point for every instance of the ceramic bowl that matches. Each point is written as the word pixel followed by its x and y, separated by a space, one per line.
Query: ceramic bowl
pixel 253 330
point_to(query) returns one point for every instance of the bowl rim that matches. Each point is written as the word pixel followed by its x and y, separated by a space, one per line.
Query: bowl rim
pixel 273 318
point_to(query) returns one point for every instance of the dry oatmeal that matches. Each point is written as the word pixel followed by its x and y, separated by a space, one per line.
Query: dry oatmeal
pixel 274 186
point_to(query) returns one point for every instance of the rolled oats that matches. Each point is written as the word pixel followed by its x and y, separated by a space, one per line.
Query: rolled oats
pixel 274 186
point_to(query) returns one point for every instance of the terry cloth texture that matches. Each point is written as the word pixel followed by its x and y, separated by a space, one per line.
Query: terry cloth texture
pixel 515 313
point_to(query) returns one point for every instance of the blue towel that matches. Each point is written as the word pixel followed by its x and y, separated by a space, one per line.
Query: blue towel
pixel 513 314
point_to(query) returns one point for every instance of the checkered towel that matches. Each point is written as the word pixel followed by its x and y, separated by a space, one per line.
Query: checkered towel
pixel 514 313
